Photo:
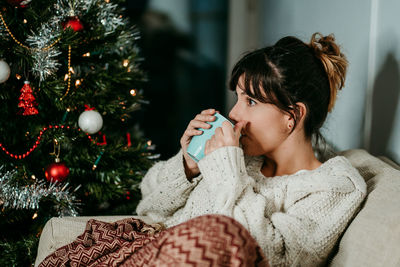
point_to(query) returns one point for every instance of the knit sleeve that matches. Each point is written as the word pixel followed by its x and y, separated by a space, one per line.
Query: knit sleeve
pixel 165 189
pixel 224 173
pixel 301 230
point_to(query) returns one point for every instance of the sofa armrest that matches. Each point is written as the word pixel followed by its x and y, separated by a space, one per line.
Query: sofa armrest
pixel 61 231
pixel 373 237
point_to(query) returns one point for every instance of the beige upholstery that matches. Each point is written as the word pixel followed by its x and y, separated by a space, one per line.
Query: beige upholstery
pixel 372 238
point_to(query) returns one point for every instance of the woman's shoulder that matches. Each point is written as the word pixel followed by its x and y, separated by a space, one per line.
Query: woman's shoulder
pixel 335 175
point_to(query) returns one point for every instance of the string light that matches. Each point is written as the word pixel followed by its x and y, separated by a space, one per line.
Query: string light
pixel 68 75
pixel 25 21
pixel 18 76
pixel 133 92
pixel 77 83
pixel 125 63
pixel 86 54
pixel 34 216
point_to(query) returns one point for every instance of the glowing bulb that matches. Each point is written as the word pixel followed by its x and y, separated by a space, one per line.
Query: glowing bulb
pixel 86 55
pixel 71 70
pixel 125 63
pixel 18 76
pixel 66 77
pixel 77 83
pixel 25 21
pixel 34 216
pixel 133 92
pixel 149 143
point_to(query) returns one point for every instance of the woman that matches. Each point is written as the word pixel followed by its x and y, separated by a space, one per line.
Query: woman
pixel 263 172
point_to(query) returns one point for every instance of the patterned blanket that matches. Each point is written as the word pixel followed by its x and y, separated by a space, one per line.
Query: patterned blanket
pixel 210 240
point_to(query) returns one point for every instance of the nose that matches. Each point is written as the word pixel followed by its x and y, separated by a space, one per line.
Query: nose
pixel 234 113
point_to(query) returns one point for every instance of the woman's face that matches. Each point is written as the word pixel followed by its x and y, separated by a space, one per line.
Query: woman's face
pixel 266 127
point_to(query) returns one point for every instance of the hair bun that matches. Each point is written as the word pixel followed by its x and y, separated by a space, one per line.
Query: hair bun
pixel 334 62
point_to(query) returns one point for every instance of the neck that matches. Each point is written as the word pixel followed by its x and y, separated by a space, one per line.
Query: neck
pixel 289 158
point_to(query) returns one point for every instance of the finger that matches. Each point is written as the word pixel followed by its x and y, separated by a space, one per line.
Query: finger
pixel 198 124
pixel 227 128
pixel 207 147
pixel 204 117
pixel 209 111
pixel 239 126
pixel 218 133
pixel 193 132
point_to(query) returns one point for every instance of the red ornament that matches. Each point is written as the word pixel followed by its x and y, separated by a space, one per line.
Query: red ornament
pixel 27 101
pixel 56 171
pixel 74 23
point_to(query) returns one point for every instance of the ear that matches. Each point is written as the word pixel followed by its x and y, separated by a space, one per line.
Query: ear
pixel 299 112
pixel 302 112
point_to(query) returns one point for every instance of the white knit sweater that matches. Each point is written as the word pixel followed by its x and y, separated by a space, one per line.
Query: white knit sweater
pixel 296 219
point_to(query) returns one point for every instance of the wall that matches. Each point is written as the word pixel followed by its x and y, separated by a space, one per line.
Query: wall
pixel 349 21
pixel 385 119
pixel 367 114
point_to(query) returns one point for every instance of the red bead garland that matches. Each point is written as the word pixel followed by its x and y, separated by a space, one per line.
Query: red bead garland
pixel 24 155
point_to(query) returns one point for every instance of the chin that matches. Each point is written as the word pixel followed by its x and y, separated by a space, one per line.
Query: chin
pixel 250 148
pixel 248 151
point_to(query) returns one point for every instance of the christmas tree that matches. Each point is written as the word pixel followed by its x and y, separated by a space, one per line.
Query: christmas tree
pixel 70 81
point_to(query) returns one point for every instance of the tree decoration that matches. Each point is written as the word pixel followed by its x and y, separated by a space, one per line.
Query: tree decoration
pixel 57 171
pixel 128 140
pixel 13 196
pixel 68 75
pixel 19 3
pixel 27 101
pixel 74 23
pixel 4 71
pixel 28 152
pixel 90 121
pixel 97 160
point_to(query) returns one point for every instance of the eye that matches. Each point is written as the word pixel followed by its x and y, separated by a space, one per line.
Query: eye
pixel 250 102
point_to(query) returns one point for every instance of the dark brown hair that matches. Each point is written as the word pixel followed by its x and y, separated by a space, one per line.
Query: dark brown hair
pixel 292 71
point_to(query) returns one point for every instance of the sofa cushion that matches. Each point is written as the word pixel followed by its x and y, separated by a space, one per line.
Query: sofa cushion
pixel 373 237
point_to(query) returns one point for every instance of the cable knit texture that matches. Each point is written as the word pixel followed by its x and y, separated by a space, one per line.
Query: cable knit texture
pixel 296 219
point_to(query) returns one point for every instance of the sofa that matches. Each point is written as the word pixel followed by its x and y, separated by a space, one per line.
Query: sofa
pixel 371 239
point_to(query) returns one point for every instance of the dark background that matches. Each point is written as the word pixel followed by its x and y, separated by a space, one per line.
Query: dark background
pixel 183 78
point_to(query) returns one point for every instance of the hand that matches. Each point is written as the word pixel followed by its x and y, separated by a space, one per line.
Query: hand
pixel 224 136
pixel 191 168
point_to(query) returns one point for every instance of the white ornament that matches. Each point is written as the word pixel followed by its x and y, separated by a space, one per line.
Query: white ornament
pixel 90 121
pixel 4 71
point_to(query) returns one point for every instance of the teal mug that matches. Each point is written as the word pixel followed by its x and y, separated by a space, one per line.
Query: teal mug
pixel 196 146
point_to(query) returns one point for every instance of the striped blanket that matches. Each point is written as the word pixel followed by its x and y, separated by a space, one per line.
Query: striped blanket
pixel 210 240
